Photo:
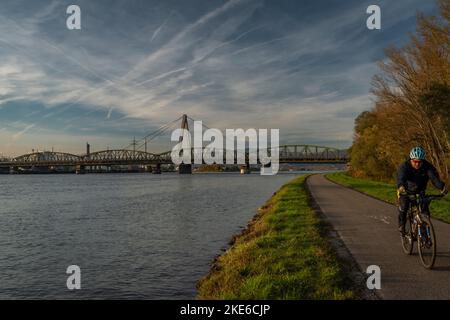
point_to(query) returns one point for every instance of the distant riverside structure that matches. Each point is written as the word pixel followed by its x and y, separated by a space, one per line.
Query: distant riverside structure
pixel 136 160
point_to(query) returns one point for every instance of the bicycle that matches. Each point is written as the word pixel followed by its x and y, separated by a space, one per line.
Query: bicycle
pixel 418 227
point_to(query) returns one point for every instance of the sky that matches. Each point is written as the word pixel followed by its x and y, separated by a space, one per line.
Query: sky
pixel 303 67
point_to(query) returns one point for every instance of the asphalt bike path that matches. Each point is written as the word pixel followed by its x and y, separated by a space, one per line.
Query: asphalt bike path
pixel 368 228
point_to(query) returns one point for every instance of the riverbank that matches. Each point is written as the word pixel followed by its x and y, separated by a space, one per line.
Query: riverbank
pixel 387 192
pixel 284 253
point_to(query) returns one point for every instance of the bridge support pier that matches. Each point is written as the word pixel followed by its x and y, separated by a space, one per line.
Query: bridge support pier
pixel 80 169
pixel 185 168
pixel 157 169
pixel 13 170
pixel 245 169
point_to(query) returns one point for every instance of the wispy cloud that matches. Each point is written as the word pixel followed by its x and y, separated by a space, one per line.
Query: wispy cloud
pixel 235 63
pixel 158 30
pixel 108 116
pixel 19 134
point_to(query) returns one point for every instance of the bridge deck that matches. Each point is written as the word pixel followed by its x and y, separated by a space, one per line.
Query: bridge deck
pixel 287 154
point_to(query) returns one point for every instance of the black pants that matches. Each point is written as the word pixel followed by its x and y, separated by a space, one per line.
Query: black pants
pixel 404 203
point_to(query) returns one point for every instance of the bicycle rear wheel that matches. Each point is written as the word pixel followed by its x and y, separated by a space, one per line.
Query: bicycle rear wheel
pixel 407 238
pixel 426 243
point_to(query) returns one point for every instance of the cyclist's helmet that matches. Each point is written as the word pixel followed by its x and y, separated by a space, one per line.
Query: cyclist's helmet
pixel 417 153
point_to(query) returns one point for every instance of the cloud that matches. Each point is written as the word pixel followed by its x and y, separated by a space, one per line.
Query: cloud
pixel 19 134
pixel 108 116
pixel 158 30
pixel 234 63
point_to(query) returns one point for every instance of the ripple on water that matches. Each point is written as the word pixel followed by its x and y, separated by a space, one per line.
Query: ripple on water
pixel 134 236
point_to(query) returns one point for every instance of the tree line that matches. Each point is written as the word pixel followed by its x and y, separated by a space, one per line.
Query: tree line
pixel 412 103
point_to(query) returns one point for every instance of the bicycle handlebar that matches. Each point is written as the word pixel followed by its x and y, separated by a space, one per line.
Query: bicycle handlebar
pixel 426 196
pixel 434 196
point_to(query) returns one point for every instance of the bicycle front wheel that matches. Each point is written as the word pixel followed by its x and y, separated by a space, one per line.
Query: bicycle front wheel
pixel 407 238
pixel 426 243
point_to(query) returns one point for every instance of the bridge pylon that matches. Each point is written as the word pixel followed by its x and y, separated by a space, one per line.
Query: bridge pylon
pixel 184 168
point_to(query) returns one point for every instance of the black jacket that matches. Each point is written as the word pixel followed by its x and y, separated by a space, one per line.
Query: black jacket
pixel 416 180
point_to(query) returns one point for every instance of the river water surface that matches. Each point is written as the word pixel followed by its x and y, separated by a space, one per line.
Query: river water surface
pixel 134 236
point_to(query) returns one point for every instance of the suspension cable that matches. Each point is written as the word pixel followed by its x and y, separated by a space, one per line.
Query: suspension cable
pixel 155 133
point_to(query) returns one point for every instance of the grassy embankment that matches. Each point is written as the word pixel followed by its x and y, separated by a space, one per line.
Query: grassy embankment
pixel 387 192
pixel 283 254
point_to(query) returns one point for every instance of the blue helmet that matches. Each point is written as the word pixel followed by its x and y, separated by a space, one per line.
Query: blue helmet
pixel 417 153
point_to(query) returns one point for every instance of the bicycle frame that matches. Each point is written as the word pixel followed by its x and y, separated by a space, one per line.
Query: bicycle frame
pixel 416 208
pixel 421 228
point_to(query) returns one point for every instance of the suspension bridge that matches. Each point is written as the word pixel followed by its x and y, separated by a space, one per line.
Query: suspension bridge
pixel 137 153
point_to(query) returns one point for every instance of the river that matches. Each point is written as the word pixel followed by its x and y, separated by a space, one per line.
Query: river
pixel 134 236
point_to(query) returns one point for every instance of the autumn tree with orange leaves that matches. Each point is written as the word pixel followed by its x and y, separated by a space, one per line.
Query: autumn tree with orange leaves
pixel 412 105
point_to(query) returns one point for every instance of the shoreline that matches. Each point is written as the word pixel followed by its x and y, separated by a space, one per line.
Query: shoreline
pixel 285 252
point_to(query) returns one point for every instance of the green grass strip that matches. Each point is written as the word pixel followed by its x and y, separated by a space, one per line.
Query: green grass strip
pixel 387 192
pixel 283 254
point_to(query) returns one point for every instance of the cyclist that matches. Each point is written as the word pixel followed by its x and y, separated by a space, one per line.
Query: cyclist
pixel 413 176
